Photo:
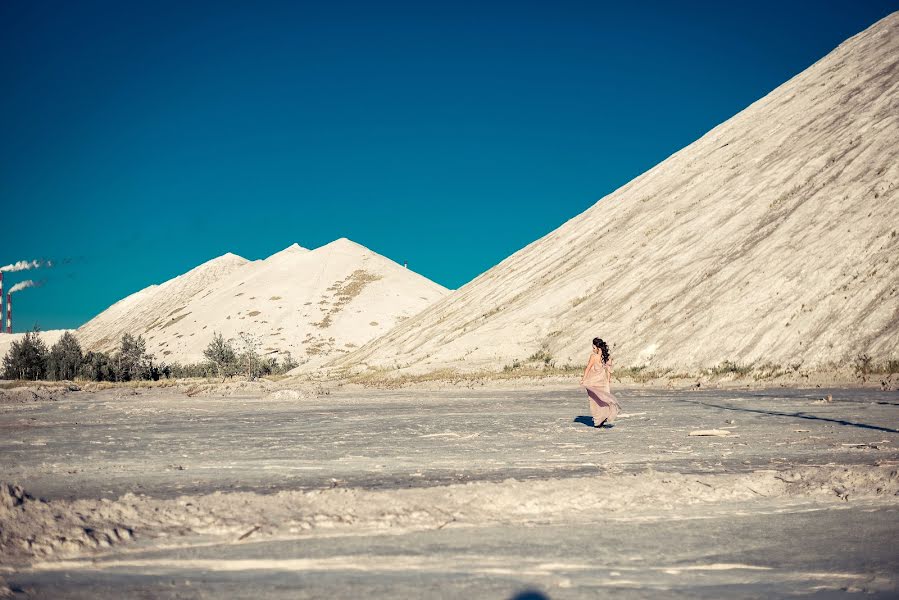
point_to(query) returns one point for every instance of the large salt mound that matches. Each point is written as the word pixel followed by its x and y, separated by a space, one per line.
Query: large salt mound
pixel 314 304
pixel 773 239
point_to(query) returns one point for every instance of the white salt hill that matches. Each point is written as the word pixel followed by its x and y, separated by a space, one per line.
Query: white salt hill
pixel 772 240
pixel 314 304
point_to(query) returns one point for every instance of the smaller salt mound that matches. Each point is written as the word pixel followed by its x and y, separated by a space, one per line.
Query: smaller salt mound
pixel 314 304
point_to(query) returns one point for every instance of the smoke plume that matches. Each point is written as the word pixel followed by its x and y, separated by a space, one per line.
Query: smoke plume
pixel 25 284
pixel 23 265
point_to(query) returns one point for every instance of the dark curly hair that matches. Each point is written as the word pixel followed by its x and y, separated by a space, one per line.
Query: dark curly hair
pixel 604 347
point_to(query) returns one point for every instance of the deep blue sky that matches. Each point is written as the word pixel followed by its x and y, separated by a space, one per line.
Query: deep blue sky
pixel 141 139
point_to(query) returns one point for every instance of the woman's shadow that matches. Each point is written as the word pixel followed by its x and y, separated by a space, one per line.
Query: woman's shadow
pixel 530 595
pixel 589 422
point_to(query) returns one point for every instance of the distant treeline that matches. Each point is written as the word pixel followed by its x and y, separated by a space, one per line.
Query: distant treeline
pixel 29 358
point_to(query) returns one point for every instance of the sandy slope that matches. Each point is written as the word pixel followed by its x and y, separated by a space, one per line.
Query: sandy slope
pixel 313 304
pixel 140 311
pixel 773 238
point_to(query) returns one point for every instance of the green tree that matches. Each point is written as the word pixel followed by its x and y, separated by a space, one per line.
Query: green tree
pixel 267 366
pixel 272 366
pixel 26 358
pixel 221 354
pixel 65 358
pixel 97 366
pixel 132 361
pixel 249 360
pixel 289 363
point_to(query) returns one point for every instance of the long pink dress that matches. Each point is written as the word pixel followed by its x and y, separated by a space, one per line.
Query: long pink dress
pixel 603 404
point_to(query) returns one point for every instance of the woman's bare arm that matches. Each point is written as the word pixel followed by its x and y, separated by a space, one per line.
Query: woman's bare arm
pixel 587 369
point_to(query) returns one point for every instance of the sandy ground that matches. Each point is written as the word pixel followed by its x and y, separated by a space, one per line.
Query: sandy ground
pixel 450 493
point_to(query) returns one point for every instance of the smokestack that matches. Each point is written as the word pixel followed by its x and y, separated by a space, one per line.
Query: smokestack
pixel 22 285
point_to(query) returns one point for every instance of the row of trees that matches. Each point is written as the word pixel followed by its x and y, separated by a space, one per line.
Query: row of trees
pixel 29 358
pixel 246 361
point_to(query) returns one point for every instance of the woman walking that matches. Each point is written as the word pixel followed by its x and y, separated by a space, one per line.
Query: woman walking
pixel 597 377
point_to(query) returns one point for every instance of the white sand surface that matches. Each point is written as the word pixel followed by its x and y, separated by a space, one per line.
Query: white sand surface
pixel 449 494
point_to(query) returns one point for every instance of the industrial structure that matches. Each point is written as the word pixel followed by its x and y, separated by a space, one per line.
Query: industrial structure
pixel 8 307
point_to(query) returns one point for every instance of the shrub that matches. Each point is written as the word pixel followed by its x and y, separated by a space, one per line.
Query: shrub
pixel 543 356
pixel 203 369
pixel 729 367
pixel 288 364
pixel 97 366
pixel 516 364
pixel 863 365
pixel 220 353
pixel 249 360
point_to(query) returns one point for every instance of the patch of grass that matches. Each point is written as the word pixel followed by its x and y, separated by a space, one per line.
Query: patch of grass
pixel 865 366
pixel 491 312
pixel 353 285
pixel 542 355
pixel 253 313
pixel 632 371
pixel 642 373
pixel 514 366
pixel 96 386
pixel 728 371
pixel 344 291
pixel 730 368
pixel 9 384
pixel 391 379
pixel 785 196
pixel 579 300
pixel 768 371
pixel 382 378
